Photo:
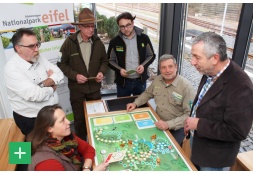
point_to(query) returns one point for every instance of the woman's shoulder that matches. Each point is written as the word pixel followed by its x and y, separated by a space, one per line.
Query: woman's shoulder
pixel 49 164
pixel 42 157
pixel 45 152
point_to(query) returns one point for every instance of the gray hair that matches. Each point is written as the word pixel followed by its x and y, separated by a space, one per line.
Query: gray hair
pixel 167 57
pixel 213 44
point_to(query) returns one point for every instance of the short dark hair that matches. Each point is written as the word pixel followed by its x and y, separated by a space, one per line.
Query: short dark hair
pixel 125 15
pixel 16 38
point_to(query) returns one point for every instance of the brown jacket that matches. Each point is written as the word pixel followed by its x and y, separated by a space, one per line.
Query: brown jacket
pixel 225 118
pixel 72 63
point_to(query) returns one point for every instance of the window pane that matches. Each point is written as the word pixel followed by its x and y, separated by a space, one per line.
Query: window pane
pixel 221 18
pixel 246 145
pixel 249 62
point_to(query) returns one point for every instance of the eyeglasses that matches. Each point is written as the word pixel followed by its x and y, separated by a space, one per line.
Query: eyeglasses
pixel 32 46
pixel 88 26
pixel 123 27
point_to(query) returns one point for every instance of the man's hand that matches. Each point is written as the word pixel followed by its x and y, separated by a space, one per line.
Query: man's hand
pixel 140 69
pixel 123 73
pixel 48 82
pixel 190 123
pixel 81 79
pixel 162 125
pixel 130 107
pixel 99 77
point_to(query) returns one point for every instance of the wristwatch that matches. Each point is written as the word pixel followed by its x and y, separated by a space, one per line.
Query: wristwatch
pixel 86 167
pixel 41 85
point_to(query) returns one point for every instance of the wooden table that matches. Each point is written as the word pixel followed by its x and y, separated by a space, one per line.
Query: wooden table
pixel 90 115
pixel 9 132
pixel 244 162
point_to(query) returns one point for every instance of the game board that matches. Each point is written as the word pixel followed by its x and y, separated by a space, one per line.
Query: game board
pixel 130 141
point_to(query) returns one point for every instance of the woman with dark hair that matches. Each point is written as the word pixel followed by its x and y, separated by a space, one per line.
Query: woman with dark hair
pixel 54 147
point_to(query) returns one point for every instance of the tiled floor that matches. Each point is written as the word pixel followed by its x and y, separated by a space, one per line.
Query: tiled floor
pixel 247 144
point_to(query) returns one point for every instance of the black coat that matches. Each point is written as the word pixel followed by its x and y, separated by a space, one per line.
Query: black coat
pixel 225 118
pixel 117 50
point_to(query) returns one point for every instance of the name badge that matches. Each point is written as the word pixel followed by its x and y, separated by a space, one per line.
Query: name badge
pixel 119 49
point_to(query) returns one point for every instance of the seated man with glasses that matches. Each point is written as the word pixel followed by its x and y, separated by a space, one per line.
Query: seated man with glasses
pixel 31 80
pixel 130 53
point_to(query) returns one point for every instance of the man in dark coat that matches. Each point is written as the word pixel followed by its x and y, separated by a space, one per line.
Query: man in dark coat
pixel 222 112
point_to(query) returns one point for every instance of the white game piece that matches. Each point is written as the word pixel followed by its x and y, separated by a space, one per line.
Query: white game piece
pixel 103 152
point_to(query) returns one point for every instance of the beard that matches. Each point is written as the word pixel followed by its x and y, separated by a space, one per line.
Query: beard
pixel 129 33
pixel 35 58
pixel 207 71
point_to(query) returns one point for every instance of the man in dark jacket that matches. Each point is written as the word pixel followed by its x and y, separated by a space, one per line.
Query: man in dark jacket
pixel 85 63
pixel 222 111
pixel 130 53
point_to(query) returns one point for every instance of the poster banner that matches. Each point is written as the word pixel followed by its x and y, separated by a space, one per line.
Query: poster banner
pixel 51 24
pixel 26 15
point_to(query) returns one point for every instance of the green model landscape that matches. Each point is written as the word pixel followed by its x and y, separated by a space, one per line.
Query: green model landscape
pixel 147 149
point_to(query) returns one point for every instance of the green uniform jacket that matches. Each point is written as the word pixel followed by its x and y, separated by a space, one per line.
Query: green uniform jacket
pixel 72 63
pixel 173 102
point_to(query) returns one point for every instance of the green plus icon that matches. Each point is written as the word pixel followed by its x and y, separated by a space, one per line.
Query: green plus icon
pixel 20 153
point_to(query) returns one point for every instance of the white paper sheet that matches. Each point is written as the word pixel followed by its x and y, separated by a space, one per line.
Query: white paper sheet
pixel 96 107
